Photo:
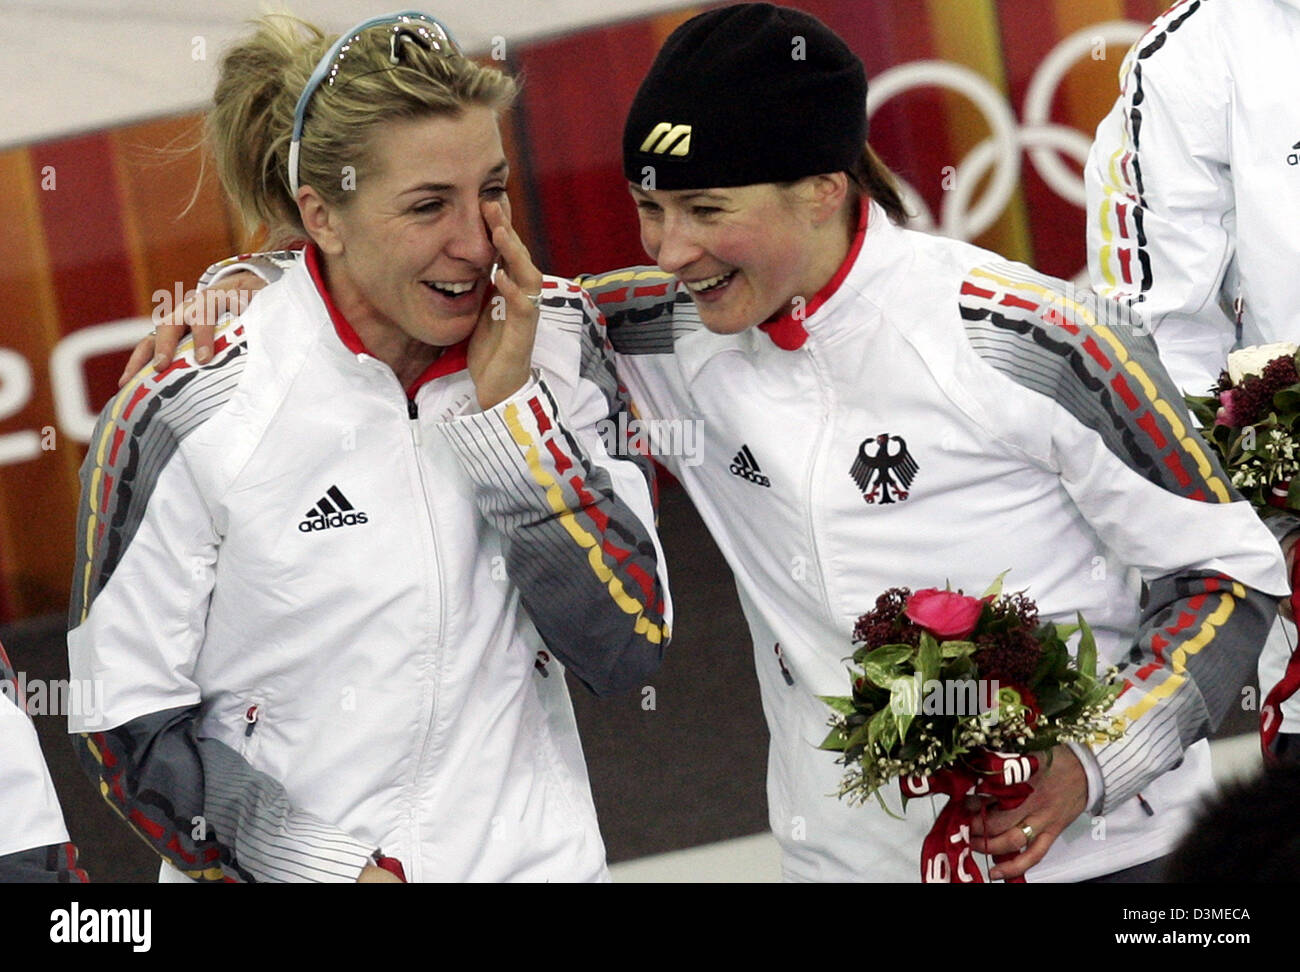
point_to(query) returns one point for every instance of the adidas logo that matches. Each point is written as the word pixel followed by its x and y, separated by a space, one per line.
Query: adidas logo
pixel 331 510
pixel 746 467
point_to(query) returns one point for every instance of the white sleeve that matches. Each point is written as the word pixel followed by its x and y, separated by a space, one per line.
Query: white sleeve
pixel 577 511
pixel 1095 406
pixel 1161 209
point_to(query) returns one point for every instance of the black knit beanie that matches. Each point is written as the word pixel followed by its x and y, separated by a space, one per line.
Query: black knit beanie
pixel 746 94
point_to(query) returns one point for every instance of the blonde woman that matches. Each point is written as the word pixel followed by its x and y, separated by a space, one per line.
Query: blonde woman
pixel 329 578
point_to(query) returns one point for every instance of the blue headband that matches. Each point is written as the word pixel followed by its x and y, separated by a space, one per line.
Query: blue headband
pixel 408 23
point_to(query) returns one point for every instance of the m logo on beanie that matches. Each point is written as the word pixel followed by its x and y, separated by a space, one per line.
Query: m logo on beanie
pixel 665 136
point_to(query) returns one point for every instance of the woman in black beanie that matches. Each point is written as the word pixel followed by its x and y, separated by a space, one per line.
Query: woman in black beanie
pixel 910 409
pixel 885 408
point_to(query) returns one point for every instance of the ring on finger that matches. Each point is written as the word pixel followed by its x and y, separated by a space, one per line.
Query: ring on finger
pixel 1028 831
pixel 534 299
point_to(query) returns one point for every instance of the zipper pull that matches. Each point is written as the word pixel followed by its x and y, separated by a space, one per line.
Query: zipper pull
pixel 251 718
pixel 789 679
pixel 413 413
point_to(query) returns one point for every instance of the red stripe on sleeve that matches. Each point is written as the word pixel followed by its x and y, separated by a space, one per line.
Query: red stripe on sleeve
pixel 1147 423
pixel 1175 465
pixel 1011 300
pixel 612 296
pixel 1095 352
pixel 136 398
pixel 118 436
pixel 562 462
pixel 1121 388
pixel 543 423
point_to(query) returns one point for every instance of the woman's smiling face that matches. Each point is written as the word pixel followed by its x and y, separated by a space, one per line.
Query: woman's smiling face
pixel 410 252
pixel 745 253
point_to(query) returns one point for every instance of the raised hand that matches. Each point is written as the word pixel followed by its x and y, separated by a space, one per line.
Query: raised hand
pixel 501 349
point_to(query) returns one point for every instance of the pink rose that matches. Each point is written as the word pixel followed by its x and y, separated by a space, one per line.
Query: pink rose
pixel 946 615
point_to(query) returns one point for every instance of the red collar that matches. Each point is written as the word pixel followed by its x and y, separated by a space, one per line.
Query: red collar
pixel 452 360
pixel 787 331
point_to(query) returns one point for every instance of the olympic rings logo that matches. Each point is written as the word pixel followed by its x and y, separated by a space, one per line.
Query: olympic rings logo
pixel 960 216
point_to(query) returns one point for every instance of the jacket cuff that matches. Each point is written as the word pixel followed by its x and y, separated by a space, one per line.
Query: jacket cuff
pixel 1092 770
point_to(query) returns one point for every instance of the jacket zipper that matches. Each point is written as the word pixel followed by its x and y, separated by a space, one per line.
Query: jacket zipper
pixel 814 472
pixel 413 423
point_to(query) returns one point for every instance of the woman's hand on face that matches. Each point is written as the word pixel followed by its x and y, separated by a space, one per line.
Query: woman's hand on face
pixel 198 312
pixel 501 348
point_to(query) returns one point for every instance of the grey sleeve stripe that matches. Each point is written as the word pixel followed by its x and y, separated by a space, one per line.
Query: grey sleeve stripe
pixel 1211 676
pixel 260 806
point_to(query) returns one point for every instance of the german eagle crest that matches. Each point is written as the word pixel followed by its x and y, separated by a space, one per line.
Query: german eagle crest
pixel 882 475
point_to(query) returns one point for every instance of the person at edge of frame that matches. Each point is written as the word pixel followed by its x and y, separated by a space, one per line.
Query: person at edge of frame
pixel 1193 196
pixel 34 844
pixel 331 580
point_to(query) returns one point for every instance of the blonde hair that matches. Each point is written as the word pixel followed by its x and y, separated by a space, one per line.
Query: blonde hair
pixel 251 123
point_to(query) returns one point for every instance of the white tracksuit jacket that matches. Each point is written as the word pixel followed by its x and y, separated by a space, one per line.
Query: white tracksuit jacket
pixel 1039 442
pixel 330 621
pixel 1193 188
pixel 33 838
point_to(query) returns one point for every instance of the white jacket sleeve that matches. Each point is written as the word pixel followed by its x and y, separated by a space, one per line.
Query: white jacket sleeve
pixel 1095 407
pixel 1160 201
pixel 576 507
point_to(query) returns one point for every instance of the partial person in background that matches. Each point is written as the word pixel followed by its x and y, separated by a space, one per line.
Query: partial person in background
pixel 815 338
pixel 1193 188
pixel 34 845
pixel 330 579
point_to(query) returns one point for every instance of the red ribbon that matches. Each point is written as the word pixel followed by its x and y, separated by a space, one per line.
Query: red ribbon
pixel 1270 713
pixel 1000 779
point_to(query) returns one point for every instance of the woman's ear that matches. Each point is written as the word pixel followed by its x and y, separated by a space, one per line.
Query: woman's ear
pixel 320 220
pixel 827 193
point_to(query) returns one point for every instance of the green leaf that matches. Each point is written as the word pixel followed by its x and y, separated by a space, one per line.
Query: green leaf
pixel 883 665
pixel 835 741
pixel 957 649
pixel 905 701
pixel 1287 399
pixel 1087 657
pixel 1064 631
pixel 841 705
pixel 929 660
pixel 995 589
pixel 882 730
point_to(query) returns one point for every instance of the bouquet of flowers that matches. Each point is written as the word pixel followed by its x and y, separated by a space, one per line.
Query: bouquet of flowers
pixel 964 696
pixel 1252 420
